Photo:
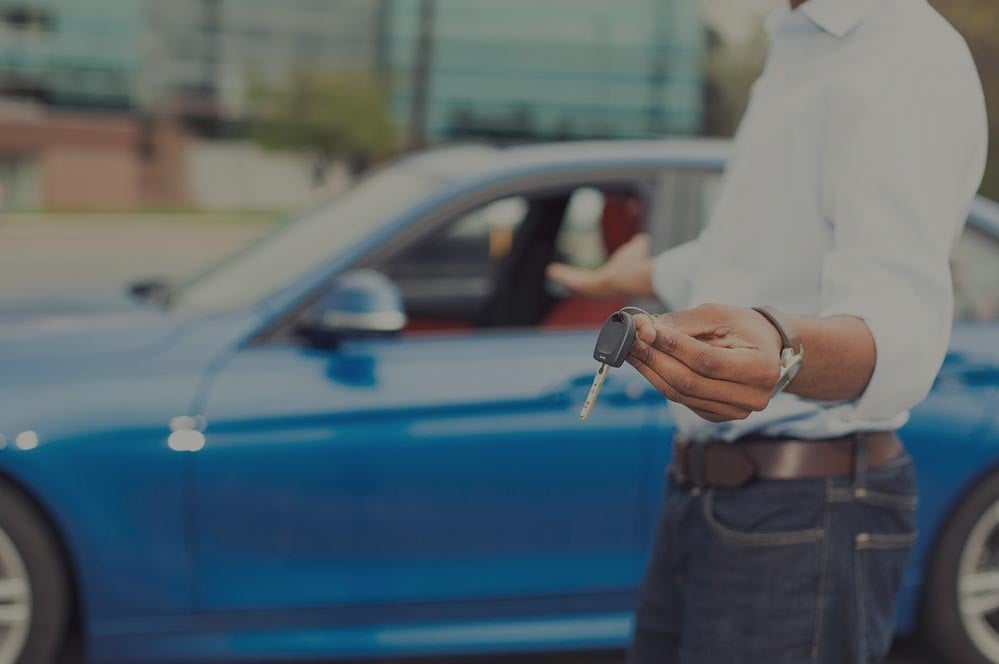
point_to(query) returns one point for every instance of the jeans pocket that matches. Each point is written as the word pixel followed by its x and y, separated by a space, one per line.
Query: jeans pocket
pixel 880 560
pixel 892 485
pixel 755 574
pixel 770 514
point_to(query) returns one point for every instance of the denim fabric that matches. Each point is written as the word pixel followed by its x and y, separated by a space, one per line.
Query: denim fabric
pixel 778 571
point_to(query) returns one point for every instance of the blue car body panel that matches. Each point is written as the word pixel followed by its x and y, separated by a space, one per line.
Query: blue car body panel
pixel 99 393
pixel 954 441
pixel 392 496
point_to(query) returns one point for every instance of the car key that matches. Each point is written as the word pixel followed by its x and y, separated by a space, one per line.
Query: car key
pixel 613 345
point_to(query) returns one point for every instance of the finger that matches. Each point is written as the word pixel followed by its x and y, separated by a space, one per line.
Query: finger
pixel 714 411
pixel 743 365
pixel 689 383
pixel 578 280
pixel 710 410
pixel 697 322
pixel 645 329
pixel 712 417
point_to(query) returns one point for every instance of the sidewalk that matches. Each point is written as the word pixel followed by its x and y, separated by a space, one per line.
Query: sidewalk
pixel 43 256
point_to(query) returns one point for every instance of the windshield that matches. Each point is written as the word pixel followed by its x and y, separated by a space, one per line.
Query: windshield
pixel 272 262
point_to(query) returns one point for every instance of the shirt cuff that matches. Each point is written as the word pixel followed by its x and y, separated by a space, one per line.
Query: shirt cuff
pixel 909 352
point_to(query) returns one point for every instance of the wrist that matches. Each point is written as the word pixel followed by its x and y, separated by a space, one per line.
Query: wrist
pixel 791 348
pixel 776 335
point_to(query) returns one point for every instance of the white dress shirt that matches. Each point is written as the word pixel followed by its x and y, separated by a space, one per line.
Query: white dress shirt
pixel 851 177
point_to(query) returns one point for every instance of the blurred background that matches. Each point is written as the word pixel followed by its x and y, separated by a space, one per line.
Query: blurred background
pixel 218 117
pixel 149 138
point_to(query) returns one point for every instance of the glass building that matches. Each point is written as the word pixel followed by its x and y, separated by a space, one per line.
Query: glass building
pixel 145 53
pixel 73 52
pixel 217 49
pixel 524 69
pixel 505 69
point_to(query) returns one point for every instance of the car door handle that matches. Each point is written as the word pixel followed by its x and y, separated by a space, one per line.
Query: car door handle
pixel 965 368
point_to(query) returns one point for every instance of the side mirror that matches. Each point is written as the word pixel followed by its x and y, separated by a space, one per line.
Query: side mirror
pixel 362 302
pixel 148 289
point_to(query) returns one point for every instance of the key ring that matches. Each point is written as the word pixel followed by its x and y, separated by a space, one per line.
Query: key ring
pixel 639 310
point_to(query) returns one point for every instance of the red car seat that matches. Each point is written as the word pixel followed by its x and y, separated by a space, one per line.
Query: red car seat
pixel 620 220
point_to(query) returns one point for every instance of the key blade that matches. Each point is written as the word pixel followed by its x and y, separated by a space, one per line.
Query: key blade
pixel 591 397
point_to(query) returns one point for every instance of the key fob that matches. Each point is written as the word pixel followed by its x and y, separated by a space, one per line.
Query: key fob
pixel 615 339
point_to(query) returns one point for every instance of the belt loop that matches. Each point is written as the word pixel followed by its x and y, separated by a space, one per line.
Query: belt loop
pixel 697 478
pixel 859 465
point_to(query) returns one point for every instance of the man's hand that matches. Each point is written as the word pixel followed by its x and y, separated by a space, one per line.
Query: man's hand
pixel 627 272
pixel 722 362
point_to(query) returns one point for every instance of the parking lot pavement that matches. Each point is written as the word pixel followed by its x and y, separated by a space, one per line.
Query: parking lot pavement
pixel 907 652
pixel 62 256
pixel 911 652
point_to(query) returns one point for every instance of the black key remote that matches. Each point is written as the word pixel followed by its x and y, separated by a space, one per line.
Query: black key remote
pixel 613 345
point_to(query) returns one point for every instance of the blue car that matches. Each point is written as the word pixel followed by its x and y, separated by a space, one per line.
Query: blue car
pixel 359 437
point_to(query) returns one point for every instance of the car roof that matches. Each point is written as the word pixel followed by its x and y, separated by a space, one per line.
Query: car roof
pixel 474 161
pixel 470 162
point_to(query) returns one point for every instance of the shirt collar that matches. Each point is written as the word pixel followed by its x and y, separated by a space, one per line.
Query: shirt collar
pixel 837 17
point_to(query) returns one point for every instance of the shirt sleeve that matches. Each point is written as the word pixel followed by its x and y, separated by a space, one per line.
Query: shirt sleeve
pixel 904 162
pixel 673 273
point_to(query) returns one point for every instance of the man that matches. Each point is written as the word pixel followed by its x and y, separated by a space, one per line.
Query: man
pixel 790 511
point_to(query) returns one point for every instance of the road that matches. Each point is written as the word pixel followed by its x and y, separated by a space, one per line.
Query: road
pixel 905 653
pixel 62 256
pixel 45 257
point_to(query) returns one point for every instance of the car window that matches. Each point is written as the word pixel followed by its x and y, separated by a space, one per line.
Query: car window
pixel 446 278
pixel 598 222
pixel 580 239
pixel 686 199
pixel 975 266
pixel 486 267
pixel 476 241
pixel 293 249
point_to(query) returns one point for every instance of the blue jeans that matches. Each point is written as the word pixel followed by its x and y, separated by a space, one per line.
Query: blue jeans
pixel 778 571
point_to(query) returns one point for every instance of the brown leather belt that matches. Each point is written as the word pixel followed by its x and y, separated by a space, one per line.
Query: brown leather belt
pixel 721 464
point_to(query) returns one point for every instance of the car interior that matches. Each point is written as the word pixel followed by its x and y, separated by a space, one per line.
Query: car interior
pixel 486 268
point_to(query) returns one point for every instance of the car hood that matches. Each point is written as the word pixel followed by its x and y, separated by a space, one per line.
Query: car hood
pixel 64 374
pixel 42 340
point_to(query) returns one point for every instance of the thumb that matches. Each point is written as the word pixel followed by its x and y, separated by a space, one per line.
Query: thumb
pixel 645 329
pixel 578 280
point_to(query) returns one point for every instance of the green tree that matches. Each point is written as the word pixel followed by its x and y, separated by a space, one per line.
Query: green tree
pixel 330 114
pixel 978 22
pixel 730 70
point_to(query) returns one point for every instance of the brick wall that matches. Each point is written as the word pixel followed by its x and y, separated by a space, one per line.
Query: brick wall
pixel 97 162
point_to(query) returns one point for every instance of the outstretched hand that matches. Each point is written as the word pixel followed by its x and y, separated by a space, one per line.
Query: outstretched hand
pixel 722 362
pixel 627 272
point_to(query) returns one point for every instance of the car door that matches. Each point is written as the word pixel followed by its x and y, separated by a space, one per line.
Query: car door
pixel 444 469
